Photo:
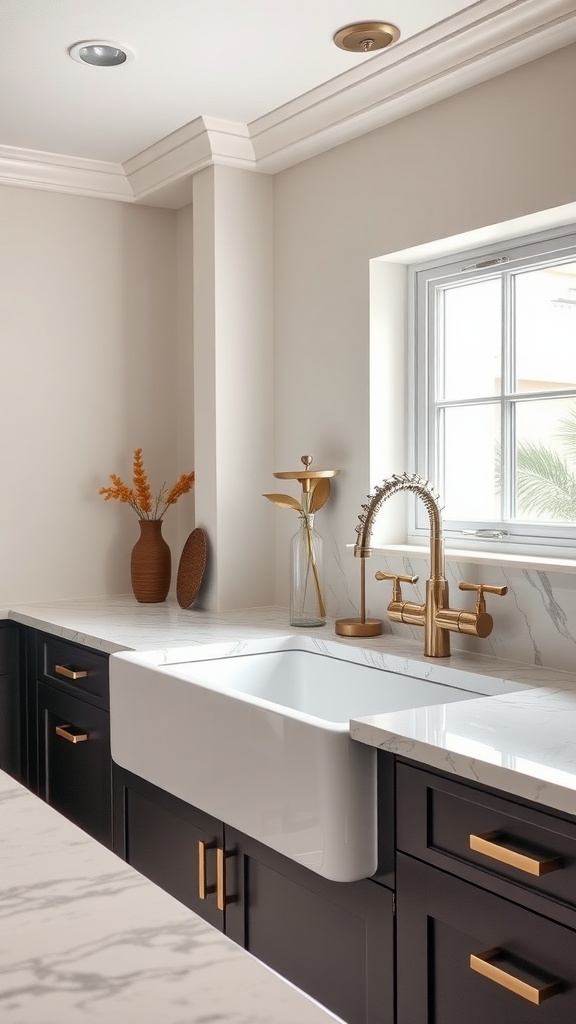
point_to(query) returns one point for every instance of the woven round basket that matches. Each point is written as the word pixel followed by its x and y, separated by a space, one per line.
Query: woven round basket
pixel 191 568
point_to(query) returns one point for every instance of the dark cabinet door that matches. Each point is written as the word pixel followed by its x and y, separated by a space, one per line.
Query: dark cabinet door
pixel 334 940
pixel 12 707
pixel 172 843
pixel 466 955
pixel 74 761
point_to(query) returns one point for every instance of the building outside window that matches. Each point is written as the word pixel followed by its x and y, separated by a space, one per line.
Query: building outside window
pixel 495 394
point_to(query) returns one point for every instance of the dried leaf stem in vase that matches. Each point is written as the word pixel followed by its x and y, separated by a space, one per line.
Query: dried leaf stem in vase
pixel 139 496
pixel 315 493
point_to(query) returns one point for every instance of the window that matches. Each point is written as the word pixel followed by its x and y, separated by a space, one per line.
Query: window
pixel 495 393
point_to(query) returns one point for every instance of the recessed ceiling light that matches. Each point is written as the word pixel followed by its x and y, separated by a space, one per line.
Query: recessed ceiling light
pixel 100 54
pixel 366 36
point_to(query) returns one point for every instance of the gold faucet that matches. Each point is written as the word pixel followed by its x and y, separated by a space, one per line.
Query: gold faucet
pixel 438 619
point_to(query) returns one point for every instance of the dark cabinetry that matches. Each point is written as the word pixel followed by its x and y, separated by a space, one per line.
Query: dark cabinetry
pixel 74 760
pixel 70 726
pixel 465 954
pixel 333 940
pixel 489 839
pixel 486 884
pixel 171 842
pixel 486 897
pixel 12 704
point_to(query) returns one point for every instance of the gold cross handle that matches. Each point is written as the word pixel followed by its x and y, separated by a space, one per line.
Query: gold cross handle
pixel 483 588
pixel 396 590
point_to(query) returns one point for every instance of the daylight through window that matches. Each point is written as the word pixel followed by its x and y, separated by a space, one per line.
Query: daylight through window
pixel 496 391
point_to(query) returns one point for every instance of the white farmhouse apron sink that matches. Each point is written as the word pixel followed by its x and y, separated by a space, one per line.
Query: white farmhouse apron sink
pixel 256 734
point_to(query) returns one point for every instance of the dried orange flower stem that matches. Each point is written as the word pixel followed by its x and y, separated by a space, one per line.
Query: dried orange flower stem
pixel 139 497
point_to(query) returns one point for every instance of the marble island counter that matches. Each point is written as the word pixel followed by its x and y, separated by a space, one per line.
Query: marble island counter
pixel 521 742
pixel 86 938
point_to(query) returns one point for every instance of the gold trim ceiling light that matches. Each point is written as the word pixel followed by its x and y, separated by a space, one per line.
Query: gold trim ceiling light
pixel 366 36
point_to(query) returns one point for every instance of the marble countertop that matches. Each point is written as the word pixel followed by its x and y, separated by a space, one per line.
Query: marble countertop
pixel 521 742
pixel 86 938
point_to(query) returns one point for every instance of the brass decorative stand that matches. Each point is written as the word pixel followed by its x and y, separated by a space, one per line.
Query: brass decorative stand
pixel 306 545
pixel 360 626
pixel 306 475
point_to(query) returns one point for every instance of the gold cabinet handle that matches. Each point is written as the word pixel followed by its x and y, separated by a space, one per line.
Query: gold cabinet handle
pixel 222 897
pixel 487 843
pixel 220 879
pixel 203 889
pixel 72 737
pixel 482 964
pixel 70 673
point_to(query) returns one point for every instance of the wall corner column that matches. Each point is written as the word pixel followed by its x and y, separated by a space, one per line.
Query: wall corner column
pixel 233 382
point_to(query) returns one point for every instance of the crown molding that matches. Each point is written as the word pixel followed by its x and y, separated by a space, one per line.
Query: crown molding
pixel 481 42
pixel 52 172
pixel 173 160
pixel 425 69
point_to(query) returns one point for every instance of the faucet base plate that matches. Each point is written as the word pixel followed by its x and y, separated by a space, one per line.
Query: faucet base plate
pixel 358 627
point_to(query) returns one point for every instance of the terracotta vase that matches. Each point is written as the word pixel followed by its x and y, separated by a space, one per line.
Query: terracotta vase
pixel 151 563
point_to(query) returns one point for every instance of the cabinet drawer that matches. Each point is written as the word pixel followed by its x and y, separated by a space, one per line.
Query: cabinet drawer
pixel 485 837
pixel 73 668
pixel 74 761
pixel 467 955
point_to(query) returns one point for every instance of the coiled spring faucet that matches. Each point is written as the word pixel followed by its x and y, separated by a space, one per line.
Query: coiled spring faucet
pixel 435 615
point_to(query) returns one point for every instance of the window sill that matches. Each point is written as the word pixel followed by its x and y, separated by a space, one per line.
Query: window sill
pixel 483 558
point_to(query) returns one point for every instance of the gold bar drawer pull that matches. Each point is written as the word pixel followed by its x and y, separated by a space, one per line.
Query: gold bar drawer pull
pixel 70 673
pixel 65 731
pixel 491 845
pixel 203 889
pixel 222 897
pixel 220 879
pixel 483 963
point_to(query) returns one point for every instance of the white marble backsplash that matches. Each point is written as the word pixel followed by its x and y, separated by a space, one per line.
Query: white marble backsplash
pixel 534 623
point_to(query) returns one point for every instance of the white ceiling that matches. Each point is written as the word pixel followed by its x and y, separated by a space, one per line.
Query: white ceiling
pixel 263 75
pixel 222 58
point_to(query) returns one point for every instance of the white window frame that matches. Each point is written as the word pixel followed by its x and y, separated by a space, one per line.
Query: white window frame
pixel 540 540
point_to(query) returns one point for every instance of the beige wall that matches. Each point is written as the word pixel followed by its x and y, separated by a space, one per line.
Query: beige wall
pixel 89 347
pixel 502 150
pixel 98 337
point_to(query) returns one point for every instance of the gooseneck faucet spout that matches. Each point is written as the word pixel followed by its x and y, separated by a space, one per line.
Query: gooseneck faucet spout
pixel 435 615
pixel 420 487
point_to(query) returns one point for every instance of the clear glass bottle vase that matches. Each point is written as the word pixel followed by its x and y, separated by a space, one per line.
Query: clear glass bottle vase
pixel 307 607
